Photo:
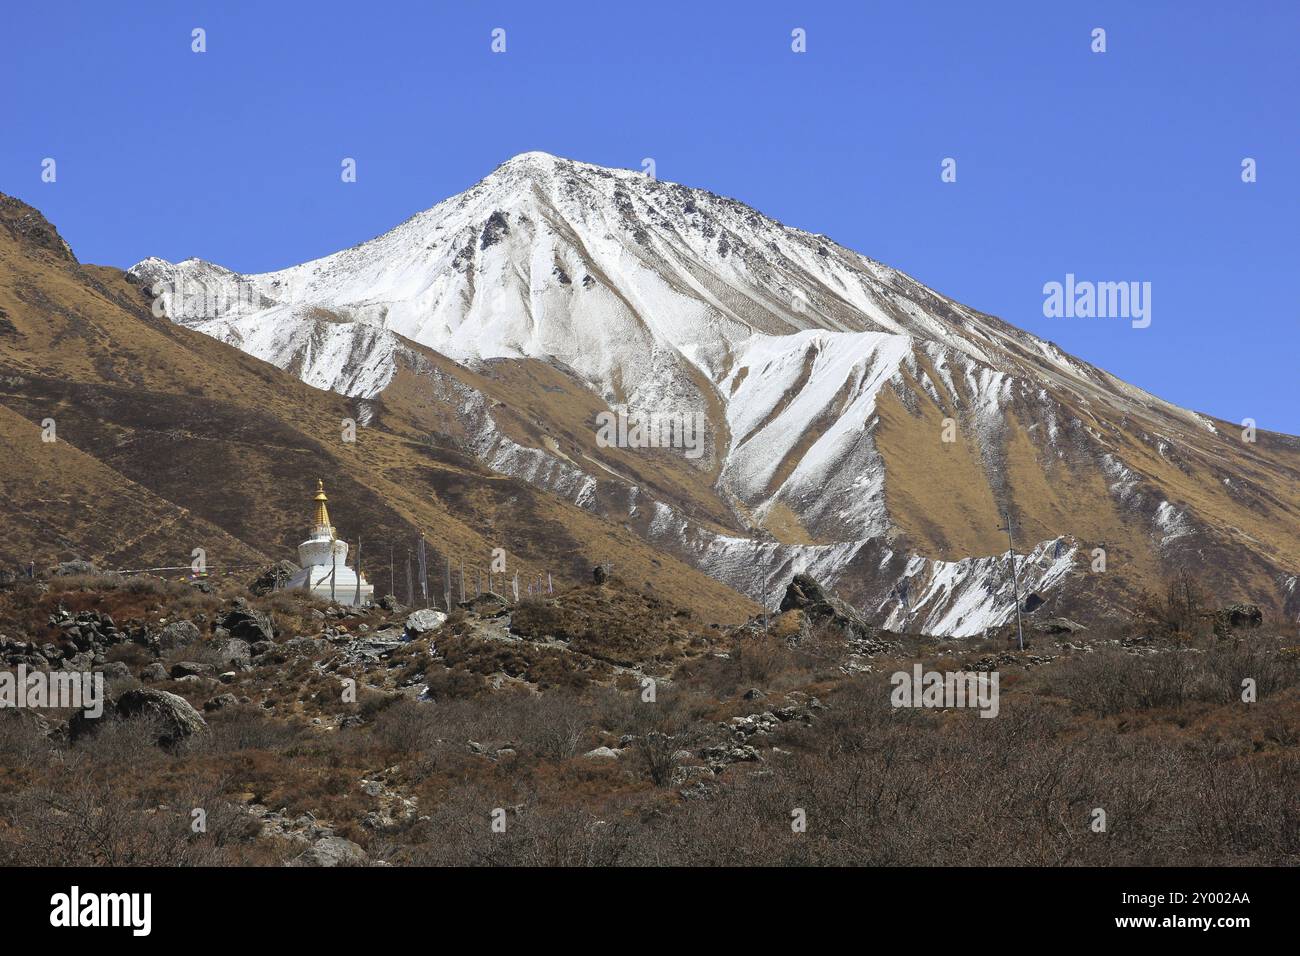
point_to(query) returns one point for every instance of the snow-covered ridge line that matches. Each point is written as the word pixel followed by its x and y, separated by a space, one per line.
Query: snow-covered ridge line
pixel 678 302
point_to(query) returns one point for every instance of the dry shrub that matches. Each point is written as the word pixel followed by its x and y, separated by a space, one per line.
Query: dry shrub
pixel 755 661
pixel 444 683
pixel 558 726
pixel 539 832
pixel 22 738
pixel 1182 612
pixel 248 727
pixel 1109 681
pixel 405 727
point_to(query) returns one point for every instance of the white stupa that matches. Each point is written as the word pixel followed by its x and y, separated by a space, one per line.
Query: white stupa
pixel 323 559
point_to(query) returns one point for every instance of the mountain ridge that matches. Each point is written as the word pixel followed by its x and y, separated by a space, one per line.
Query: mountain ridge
pixel 828 381
pixel 168 440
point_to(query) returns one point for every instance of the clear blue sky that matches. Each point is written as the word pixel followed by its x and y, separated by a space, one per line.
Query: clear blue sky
pixel 1117 166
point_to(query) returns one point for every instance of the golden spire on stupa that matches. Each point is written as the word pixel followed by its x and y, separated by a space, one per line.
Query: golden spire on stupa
pixel 322 519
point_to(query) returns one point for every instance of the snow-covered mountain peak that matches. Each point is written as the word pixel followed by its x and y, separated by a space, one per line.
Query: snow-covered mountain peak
pixel 806 359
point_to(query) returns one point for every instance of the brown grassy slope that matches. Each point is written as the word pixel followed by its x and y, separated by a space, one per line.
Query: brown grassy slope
pixel 58 494
pixel 1241 501
pixel 238 443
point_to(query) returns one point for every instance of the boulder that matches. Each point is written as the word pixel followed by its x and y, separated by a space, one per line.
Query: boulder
pixel 176 719
pixel 69 568
pixel 273 578
pixel 603 753
pixel 1058 625
pixel 154 672
pixel 1233 616
pixel 190 669
pixel 248 625
pixel 332 851
pixel 115 670
pixel 82 661
pixel 221 701
pixel 177 634
pixel 198 682
pixel 488 604
pixel 424 620
pixel 234 651
pixel 805 594
pixel 305 646
pixel 690 773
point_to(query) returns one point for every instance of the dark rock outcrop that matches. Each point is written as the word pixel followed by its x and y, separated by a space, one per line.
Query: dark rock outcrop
pixel 1230 617
pixel 248 625
pixel 273 578
pixel 805 594
pixel 1058 625
pixel 174 718
pixel 489 604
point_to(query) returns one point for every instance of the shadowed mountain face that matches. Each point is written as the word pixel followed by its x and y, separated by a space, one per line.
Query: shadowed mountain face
pixel 167 441
pixel 855 423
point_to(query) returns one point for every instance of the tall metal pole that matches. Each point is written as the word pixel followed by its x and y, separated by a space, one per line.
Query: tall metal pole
pixel 1015 587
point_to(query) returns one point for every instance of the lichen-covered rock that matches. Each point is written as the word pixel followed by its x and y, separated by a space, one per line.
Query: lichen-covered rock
pixel 424 620
pixel 175 718
pixel 332 851
pixel 234 651
pixel 177 634
pixel 178 717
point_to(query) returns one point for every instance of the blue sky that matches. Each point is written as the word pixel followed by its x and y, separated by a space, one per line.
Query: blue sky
pixel 1117 166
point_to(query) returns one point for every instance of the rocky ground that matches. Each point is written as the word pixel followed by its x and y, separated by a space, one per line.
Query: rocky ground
pixel 603 724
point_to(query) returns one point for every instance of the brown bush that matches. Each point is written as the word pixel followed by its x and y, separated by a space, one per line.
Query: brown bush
pixel 1181 612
